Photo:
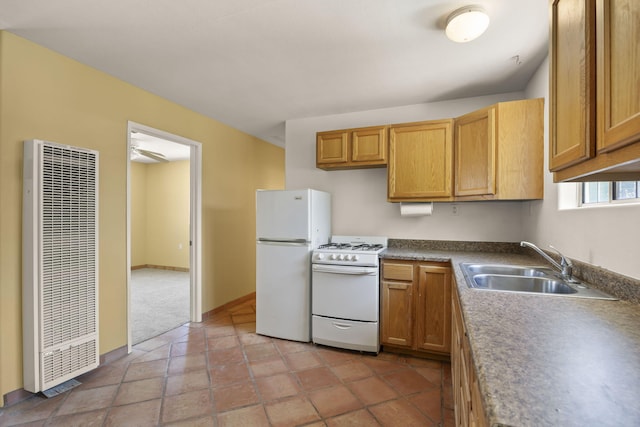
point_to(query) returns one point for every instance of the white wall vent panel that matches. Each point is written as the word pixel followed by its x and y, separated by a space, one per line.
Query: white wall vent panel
pixel 60 263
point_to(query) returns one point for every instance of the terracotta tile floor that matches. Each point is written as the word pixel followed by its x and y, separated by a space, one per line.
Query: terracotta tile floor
pixel 220 373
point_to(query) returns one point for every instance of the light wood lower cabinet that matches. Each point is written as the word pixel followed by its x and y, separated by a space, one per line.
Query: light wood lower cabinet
pixel 467 399
pixel 397 304
pixel 416 307
pixel 433 308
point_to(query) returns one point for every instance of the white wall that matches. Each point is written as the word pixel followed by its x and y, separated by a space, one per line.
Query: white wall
pixel 359 197
pixel 604 236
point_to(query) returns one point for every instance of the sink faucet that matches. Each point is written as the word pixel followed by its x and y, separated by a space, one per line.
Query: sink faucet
pixel 565 267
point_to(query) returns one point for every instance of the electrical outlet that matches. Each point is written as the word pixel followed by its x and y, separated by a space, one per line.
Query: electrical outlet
pixel 455 210
pixel 180 246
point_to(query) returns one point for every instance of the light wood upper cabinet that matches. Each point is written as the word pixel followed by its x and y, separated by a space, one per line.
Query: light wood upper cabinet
pixel 369 146
pixel 420 161
pixel 595 82
pixel 416 307
pixel 332 148
pixel 475 153
pixel 495 153
pixel 352 148
pixel 499 152
pixel 572 83
pixel 618 82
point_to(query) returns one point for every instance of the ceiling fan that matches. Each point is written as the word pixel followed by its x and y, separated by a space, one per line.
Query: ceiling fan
pixel 159 157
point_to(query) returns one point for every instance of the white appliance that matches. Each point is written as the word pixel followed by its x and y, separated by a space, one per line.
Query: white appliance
pixel 59 264
pixel 345 293
pixel 289 224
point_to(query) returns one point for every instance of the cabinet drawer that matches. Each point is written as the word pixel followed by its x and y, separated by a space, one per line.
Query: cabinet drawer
pixel 397 271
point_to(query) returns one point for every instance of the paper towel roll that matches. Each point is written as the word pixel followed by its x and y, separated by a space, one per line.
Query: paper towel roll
pixel 416 209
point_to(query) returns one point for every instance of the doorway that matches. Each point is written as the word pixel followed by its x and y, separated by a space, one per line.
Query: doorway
pixel 179 237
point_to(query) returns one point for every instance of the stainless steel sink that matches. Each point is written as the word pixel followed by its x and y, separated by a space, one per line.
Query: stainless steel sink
pixel 509 270
pixel 522 284
pixel 526 279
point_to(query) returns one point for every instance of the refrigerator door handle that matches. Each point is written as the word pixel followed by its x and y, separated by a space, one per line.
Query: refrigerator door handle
pixel 283 242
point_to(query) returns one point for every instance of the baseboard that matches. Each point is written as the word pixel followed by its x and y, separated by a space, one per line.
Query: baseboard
pixel 210 313
pixel 113 355
pixel 159 267
pixel 16 396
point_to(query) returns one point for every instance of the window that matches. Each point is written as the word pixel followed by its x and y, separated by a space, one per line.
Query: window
pixel 610 192
pixel 625 190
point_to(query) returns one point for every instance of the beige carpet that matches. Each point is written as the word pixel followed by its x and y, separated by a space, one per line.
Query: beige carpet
pixel 159 302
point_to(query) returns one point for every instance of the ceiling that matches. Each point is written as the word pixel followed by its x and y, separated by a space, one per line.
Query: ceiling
pixel 253 64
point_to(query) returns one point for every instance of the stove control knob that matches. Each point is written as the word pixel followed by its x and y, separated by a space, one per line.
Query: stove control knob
pixel 341 257
pixel 347 257
pixel 355 258
pixel 320 256
pixel 332 256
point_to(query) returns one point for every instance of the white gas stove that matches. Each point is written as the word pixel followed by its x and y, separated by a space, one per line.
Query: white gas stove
pixel 345 292
pixel 350 250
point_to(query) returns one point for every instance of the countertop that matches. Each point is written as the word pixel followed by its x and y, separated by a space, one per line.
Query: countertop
pixel 545 360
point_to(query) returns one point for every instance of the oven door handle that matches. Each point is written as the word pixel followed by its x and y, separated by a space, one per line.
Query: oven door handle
pixel 344 269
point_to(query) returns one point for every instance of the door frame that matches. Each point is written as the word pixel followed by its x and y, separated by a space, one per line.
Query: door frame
pixel 195 220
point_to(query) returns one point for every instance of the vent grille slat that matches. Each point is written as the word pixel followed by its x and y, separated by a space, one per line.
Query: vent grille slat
pixel 63 262
pixel 62 363
pixel 68 241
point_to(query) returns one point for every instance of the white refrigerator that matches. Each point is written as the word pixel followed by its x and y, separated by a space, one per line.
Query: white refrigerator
pixel 289 225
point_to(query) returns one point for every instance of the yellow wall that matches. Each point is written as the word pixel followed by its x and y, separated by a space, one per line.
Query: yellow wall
pixel 44 95
pixel 138 187
pixel 160 206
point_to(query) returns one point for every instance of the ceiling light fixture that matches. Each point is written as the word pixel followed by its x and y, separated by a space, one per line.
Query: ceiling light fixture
pixel 466 24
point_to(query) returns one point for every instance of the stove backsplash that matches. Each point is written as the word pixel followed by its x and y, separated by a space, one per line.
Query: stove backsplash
pixel 456 246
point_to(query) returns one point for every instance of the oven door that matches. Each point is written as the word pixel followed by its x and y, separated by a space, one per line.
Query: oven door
pixel 345 292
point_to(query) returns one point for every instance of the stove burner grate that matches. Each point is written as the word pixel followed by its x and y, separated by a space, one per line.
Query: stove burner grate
pixel 349 246
pixel 366 247
pixel 335 246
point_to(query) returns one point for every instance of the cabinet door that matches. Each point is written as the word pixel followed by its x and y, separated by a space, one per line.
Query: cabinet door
pixel 397 313
pixel 369 146
pixel 477 417
pixel 331 148
pixel 572 78
pixel 420 161
pixel 456 344
pixel 618 32
pixel 475 153
pixel 459 366
pixel 433 308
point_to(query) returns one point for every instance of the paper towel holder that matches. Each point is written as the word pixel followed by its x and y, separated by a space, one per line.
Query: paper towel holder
pixel 416 209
